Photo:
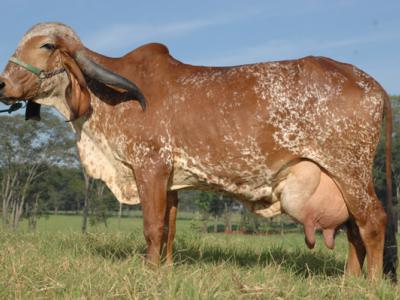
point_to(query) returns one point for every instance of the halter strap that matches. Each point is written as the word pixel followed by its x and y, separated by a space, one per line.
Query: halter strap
pixel 37 71
pixel 26 66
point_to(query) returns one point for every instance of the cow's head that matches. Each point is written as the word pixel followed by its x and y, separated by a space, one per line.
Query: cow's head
pixel 51 66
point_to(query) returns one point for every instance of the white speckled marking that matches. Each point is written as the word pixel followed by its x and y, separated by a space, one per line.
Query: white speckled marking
pixel 299 111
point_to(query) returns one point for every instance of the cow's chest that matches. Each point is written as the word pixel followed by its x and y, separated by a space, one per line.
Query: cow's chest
pixel 100 162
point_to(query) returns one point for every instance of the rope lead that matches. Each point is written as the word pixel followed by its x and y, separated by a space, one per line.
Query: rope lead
pixel 14 107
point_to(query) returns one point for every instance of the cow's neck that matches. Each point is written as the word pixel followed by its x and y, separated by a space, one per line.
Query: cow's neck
pixel 131 68
pixel 99 156
pixel 100 121
pixel 102 128
pixel 93 127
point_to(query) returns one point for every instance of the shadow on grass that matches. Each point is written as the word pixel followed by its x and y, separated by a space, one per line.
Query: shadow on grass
pixel 112 247
pixel 119 252
pixel 301 262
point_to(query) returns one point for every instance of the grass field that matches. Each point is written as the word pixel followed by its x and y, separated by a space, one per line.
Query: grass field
pixel 58 262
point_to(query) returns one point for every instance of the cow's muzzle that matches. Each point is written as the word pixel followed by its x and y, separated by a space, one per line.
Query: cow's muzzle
pixel 9 93
pixel 2 86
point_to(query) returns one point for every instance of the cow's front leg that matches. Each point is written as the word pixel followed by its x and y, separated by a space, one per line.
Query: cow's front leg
pixel 170 224
pixel 152 185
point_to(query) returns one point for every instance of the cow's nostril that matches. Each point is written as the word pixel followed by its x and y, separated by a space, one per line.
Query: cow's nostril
pixel 2 85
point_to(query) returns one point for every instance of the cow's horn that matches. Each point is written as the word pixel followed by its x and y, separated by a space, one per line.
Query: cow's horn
pixel 103 75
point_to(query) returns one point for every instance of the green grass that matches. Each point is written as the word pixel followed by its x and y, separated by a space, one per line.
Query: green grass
pixel 58 262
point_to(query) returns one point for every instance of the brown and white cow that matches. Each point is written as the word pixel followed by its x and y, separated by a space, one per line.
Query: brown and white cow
pixel 296 136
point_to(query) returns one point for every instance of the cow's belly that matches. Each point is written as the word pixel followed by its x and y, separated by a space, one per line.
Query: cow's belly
pixel 183 178
pixel 251 185
pixel 259 199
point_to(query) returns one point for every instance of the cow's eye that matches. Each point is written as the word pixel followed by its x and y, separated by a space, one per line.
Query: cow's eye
pixel 49 46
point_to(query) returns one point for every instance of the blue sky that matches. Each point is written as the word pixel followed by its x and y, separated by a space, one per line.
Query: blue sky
pixel 220 32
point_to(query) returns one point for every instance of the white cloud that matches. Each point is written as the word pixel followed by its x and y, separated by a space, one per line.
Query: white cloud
pixel 120 36
pixel 292 48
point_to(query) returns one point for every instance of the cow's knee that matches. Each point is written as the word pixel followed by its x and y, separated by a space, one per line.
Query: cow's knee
pixel 153 234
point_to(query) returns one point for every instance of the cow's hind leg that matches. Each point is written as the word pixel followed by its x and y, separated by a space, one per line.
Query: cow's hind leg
pixel 170 225
pixel 370 217
pixel 357 252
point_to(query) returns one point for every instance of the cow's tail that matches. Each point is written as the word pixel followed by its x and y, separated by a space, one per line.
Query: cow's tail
pixel 390 252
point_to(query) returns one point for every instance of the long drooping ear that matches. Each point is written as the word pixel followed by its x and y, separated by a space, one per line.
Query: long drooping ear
pixel 77 94
pixel 84 63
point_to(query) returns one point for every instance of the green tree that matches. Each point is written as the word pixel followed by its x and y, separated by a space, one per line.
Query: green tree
pixel 27 150
pixel 203 201
pixel 101 204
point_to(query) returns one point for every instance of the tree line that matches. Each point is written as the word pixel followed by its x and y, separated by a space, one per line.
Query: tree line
pixel 40 173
